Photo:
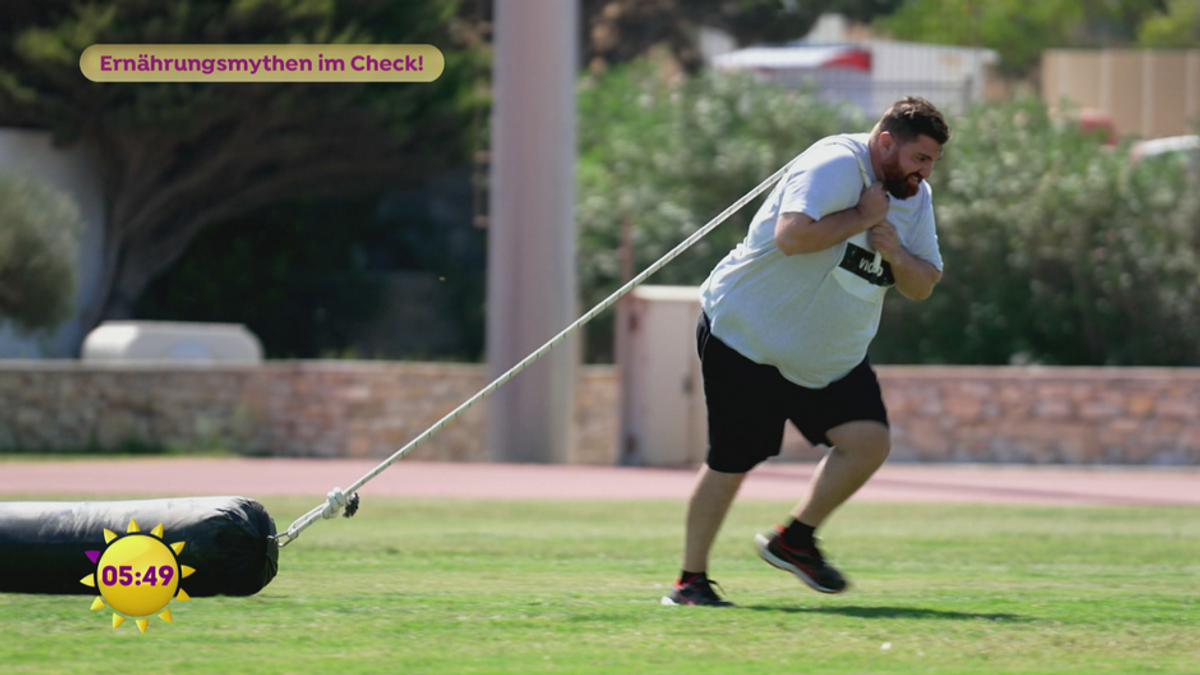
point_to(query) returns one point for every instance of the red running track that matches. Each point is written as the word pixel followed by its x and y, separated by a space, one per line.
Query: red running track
pixel 171 477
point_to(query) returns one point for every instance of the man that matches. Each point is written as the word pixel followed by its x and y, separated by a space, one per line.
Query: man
pixel 788 316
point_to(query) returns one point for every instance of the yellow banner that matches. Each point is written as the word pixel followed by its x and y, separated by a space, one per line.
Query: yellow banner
pixel 262 63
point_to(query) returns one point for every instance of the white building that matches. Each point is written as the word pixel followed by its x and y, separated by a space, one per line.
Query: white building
pixel 869 73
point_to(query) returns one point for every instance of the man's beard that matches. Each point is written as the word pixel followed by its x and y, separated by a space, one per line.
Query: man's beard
pixel 896 181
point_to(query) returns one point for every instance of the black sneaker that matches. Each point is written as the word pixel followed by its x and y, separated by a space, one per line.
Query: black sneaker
pixel 698 591
pixel 807 564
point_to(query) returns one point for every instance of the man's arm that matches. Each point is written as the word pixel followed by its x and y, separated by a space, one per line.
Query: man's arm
pixel 915 278
pixel 799 233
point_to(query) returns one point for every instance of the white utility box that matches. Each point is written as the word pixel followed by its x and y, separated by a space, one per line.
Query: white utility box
pixel 663 418
pixel 135 341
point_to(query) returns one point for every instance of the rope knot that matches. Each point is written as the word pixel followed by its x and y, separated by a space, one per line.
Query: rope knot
pixel 335 501
pixel 338 503
pixel 351 505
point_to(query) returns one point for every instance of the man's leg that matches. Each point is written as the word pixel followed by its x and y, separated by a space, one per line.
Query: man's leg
pixel 745 426
pixel 711 499
pixel 859 449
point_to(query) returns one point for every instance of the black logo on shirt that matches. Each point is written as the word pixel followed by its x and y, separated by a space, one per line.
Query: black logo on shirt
pixel 861 262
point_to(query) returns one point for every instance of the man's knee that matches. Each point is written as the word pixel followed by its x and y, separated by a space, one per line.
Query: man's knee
pixel 864 439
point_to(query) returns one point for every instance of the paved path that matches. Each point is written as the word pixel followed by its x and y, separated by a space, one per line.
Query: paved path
pixel 169 477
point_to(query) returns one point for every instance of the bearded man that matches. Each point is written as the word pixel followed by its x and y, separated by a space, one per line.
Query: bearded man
pixel 787 318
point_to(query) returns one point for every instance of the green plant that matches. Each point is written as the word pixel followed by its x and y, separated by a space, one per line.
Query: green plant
pixel 1058 250
pixel 39 246
pixel 666 154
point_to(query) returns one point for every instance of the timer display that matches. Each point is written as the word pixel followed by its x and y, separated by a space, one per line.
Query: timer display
pixel 137 574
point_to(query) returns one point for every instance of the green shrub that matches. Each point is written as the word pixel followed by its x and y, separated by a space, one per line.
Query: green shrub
pixel 1058 250
pixel 669 154
pixel 39 246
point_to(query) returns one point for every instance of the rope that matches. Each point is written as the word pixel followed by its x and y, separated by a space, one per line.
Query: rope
pixel 877 264
pixel 337 501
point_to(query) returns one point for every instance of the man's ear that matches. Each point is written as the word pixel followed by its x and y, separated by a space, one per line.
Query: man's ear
pixel 886 142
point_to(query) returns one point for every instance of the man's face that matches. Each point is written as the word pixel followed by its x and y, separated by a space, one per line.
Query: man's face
pixel 905 165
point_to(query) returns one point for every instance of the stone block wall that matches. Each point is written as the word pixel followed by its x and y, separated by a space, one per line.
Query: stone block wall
pixel 1039 414
pixel 61 405
pixel 284 408
pixel 371 409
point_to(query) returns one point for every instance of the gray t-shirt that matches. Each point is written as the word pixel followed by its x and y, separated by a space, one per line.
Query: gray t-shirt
pixel 813 315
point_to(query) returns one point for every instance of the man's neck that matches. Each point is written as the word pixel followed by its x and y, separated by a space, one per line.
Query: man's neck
pixel 876 155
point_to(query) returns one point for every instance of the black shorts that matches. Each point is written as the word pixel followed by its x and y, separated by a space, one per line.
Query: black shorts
pixel 749 403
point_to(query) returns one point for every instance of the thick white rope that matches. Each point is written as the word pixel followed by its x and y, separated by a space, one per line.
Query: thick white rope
pixel 877 264
pixel 337 498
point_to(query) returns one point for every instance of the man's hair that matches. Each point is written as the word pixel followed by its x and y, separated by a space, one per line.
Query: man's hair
pixel 912 116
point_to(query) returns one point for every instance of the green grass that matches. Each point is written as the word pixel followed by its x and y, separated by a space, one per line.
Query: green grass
pixel 456 586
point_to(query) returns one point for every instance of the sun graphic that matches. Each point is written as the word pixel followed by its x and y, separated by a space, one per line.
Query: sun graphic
pixel 138 574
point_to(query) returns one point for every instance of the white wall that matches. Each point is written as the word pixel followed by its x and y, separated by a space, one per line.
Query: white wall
pixel 33 153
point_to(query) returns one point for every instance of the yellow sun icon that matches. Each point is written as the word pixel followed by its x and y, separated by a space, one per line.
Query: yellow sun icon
pixel 138 574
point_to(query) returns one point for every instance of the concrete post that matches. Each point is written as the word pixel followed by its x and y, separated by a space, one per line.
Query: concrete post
pixel 531 239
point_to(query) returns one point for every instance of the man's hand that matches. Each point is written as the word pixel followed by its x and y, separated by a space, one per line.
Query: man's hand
pixel 915 278
pixel 883 238
pixel 799 233
pixel 873 203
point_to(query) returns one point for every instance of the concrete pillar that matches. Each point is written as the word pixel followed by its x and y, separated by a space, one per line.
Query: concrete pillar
pixel 531 230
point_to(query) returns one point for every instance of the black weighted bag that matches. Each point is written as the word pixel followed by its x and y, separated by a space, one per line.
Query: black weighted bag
pixel 43 545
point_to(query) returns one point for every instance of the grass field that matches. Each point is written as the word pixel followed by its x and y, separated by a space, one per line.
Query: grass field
pixel 459 586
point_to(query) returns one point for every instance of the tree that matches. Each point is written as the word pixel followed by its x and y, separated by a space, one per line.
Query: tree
pixel 1057 249
pixel 178 157
pixel 618 31
pixel 39 245
pixel 864 11
pixel 308 290
pixel 1115 23
pixel 282 272
pixel 614 32
pixel 1177 27
pixel 1019 30
pixel 666 155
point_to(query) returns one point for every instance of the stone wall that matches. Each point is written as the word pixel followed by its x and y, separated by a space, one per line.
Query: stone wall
pixel 1037 414
pixel 285 408
pixel 63 405
pixel 371 409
